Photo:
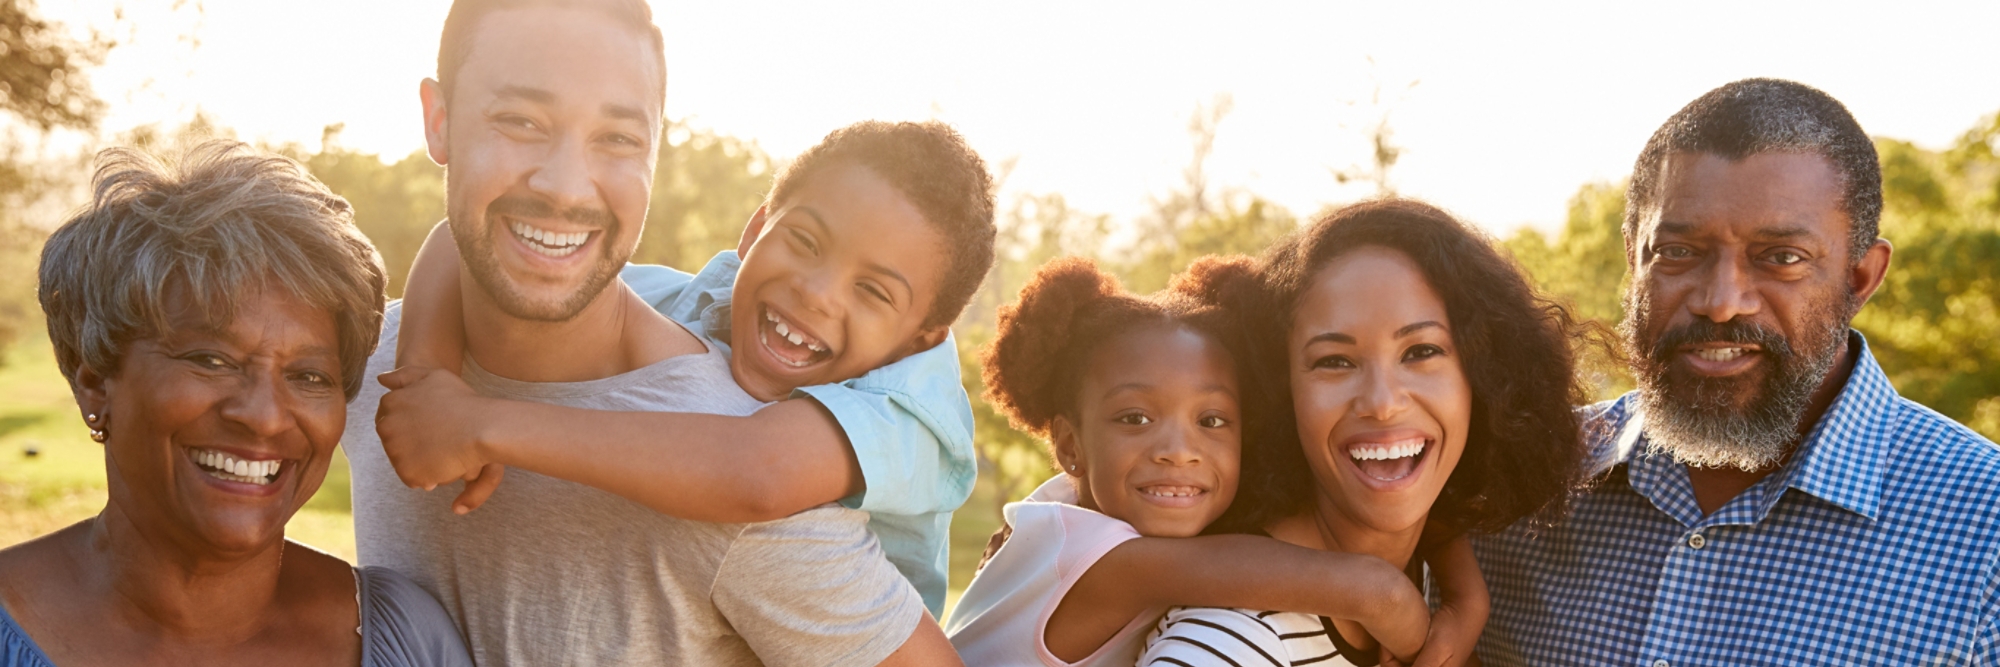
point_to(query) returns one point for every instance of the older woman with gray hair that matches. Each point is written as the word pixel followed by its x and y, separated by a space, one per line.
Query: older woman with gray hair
pixel 213 318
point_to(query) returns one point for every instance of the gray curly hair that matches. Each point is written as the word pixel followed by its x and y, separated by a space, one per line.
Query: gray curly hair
pixel 220 221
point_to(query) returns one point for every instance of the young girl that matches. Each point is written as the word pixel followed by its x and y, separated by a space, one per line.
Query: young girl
pixel 1143 400
pixel 1427 386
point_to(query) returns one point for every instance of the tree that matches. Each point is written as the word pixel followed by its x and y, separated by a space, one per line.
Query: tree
pixel 41 70
pixel 41 84
pixel 705 188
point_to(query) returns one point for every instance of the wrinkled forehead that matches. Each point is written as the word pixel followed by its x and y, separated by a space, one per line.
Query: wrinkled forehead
pixel 1762 194
pixel 577 56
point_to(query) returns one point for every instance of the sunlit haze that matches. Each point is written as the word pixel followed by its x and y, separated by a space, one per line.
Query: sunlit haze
pixel 1512 109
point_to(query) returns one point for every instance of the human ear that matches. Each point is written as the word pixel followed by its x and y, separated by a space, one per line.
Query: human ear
pixel 1068 456
pixel 435 136
pixel 93 397
pixel 1866 275
pixel 751 230
pixel 924 340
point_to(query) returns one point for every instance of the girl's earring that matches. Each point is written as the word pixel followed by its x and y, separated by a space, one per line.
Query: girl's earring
pixel 96 434
pixel 1072 468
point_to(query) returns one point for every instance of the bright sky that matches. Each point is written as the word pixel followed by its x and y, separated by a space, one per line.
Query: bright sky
pixel 1516 104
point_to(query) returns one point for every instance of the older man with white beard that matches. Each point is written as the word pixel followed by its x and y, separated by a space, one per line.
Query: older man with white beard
pixel 1765 496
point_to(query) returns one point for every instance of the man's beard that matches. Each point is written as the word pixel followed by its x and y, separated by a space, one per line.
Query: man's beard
pixel 475 249
pixel 1747 421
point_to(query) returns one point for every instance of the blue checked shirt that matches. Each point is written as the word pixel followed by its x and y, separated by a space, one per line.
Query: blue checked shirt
pixel 1878 544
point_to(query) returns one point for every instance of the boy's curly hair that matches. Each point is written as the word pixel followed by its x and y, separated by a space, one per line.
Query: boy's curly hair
pixel 1034 366
pixel 1524 447
pixel 930 163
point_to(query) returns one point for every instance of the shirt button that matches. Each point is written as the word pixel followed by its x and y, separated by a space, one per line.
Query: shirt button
pixel 1695 541
pixel 1663 663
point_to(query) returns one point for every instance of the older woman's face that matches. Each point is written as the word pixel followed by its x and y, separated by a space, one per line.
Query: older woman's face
pixel 218 436
pixel 1381 399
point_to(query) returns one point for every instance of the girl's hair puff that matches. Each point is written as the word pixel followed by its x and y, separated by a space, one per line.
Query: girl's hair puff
pixel 1035 364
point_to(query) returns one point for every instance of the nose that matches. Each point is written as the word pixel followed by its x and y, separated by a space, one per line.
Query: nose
pixel 814 288
pixel 1725 293
pixel 563 176
pixel 260 407
pixel 1175 448
pixel 1383 396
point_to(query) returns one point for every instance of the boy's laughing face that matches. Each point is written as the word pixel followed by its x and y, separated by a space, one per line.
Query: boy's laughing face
pixel 836 281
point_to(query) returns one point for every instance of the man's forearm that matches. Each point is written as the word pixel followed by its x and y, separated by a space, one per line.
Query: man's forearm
pixel 786 458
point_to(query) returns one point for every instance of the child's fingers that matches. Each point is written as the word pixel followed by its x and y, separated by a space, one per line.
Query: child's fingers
pixel 479 486
pixel 402 377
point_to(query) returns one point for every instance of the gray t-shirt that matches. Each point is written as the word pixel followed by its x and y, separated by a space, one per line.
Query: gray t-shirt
pixel 551 572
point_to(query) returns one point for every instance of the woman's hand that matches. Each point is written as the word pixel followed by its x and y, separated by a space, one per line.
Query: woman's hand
pixel 430 423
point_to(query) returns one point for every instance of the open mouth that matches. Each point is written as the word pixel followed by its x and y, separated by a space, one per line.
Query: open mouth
pixel 1720 354
pixel 790 344
pixel 548 243
pixel 1389 461
pixel 230 468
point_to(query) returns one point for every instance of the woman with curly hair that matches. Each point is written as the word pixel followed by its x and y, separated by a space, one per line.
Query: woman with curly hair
pixel 1144 401
pixel 1421 386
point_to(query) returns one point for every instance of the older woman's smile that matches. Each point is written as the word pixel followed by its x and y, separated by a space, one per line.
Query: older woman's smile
pixel 247 469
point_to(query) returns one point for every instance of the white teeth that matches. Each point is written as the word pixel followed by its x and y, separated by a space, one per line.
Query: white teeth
pixel 1387 451
pixel 1719 354
pixel 225 466
pixel 785 331
pixel 549 243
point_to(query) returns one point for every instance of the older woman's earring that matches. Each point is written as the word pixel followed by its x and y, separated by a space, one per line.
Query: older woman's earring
pixel 96 434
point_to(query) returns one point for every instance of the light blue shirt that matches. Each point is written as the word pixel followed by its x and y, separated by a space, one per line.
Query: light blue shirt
pixel 910 423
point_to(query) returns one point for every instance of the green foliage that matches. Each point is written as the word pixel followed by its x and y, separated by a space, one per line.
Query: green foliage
pixel 705 187
pixel 41 70
pixel 1584 268
pixel 1932 323
pixel 395 204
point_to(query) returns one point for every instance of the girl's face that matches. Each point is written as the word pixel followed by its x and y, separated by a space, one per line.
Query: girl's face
pixel 1381 399
pixel 1157 440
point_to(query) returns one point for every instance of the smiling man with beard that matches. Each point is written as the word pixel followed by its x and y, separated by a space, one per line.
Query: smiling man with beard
pixel 1765 496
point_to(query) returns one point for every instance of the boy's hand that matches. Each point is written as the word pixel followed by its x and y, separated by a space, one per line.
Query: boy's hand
pixel 428 422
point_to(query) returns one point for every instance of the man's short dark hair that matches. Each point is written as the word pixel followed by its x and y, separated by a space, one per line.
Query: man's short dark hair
pixel 464 15
pixel 1767 116
pixel 932 165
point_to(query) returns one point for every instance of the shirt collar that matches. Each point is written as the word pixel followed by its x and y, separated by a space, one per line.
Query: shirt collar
pixel 1845 456
pixel 1841 461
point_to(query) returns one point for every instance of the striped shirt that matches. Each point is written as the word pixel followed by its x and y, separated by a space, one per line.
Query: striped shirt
pixel 1215 637
pixel 1878 543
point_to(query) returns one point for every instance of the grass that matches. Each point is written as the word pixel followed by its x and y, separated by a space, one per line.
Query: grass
pixel 63 483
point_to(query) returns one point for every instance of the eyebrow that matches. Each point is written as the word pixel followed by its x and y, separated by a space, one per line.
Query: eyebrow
pixel 623 112
pixel 1336 337
pixel 871 266
pixel 539 96
pixel 1772 233
pixel 536 95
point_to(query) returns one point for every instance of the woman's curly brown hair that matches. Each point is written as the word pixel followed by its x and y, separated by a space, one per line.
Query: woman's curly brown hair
pixel 1034 366
pixel 1524 445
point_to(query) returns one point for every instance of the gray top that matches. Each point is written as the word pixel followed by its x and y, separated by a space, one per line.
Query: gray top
pixel 551 572
pixel 401 626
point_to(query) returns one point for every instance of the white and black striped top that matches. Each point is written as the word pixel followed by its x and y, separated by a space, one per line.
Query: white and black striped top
pixel 1215 637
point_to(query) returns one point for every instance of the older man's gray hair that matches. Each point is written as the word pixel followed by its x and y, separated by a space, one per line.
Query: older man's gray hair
pixel 214 225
